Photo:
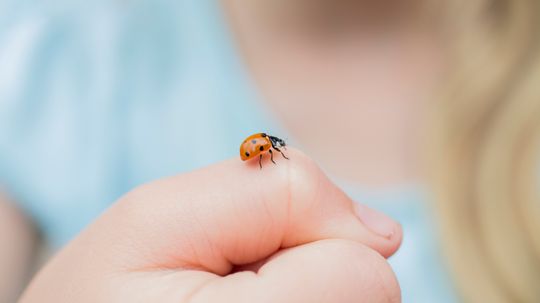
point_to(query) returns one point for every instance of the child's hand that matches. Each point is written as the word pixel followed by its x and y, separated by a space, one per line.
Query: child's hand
pixel 229 233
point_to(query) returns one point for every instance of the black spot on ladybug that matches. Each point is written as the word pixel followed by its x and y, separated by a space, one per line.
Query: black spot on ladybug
pixel 263 135
pixel 247 154
pixel 254 141
pixel 261 148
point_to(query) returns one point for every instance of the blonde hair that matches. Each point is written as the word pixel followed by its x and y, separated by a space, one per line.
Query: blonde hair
pixel 485 150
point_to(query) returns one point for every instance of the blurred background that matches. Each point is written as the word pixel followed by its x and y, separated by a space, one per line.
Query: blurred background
pixel 426 110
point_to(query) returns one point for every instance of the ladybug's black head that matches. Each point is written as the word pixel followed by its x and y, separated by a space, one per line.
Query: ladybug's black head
pixel 277 142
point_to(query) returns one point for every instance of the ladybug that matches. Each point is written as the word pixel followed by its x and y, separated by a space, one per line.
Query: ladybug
pixel 258 144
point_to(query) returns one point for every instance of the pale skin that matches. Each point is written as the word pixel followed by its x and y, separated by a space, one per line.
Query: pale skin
pixel 395 69
pixel 283 234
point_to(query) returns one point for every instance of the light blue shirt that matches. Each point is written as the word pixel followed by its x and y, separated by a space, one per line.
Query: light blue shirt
pixel 97 97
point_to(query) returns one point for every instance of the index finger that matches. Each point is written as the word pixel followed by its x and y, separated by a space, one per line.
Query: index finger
pixel 233 213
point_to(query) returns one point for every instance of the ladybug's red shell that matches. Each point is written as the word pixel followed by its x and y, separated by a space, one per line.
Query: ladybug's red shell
pixel 254 145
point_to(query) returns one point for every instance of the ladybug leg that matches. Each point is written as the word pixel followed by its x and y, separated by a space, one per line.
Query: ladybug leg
pixel 260 159
pixel 279 150
pixel 271 156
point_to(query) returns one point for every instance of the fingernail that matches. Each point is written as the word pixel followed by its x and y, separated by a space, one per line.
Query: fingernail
pixel 376 221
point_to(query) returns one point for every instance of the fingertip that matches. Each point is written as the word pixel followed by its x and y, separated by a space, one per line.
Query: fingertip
pixel 392 243
pixel 397 239
pixel 388 232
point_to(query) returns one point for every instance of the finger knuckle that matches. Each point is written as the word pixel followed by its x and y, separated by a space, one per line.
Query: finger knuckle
pixel 303 178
